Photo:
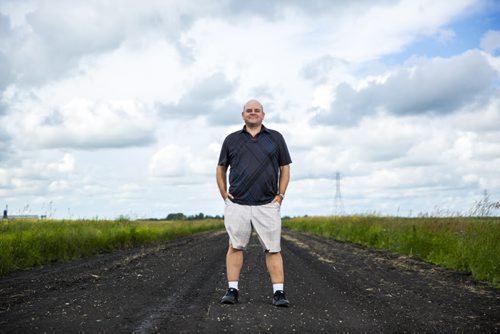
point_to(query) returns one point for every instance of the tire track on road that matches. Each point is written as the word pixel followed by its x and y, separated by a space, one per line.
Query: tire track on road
pixel 176 287
pixel 182 302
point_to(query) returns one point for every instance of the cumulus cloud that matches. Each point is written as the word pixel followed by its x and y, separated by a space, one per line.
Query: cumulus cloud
pixel 396 157
pixel 273 9
pixel 374 142
pixel 481 120
pixel 6 74
pixel 4 148
pixel 51 38
pixel 208 97
pixel 82 124
pixel 27 175
pixel 319 70
pixel 175 161
pixel 5 141
pixel 432 86
pixel 46 27
pixel 170 161
pixel 490 42
pixel 163 81
pixel 66 164
pixel 31 46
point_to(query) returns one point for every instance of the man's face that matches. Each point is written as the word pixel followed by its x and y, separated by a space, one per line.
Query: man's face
pixel 253 114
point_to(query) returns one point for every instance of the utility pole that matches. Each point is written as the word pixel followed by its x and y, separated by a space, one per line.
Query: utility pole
pixel 338 204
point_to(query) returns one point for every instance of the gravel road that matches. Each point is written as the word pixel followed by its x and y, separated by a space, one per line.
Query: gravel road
pixel 175 287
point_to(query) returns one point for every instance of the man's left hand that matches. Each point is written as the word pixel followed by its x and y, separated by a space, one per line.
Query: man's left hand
pixel 278 199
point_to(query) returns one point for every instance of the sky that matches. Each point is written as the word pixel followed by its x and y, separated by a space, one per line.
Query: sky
pixel 119 108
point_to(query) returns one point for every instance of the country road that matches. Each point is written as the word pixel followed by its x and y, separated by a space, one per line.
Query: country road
pixel 175 287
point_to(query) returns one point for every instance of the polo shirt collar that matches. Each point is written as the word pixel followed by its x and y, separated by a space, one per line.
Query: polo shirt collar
pixel 263 129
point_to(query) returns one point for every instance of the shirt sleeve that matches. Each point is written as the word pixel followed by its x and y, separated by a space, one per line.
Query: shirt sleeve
pixel 284 155
pixel 224 154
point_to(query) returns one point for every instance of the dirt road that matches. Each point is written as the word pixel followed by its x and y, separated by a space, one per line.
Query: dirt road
pixel 175 287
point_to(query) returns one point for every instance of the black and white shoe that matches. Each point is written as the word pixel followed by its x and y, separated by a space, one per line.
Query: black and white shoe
pixel 279 299
pixel 231 297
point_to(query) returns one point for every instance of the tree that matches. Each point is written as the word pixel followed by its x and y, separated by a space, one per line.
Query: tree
pixel 176 216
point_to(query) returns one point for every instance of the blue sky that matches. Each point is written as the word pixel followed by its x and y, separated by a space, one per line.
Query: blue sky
pixel 120 108
pixel 467 31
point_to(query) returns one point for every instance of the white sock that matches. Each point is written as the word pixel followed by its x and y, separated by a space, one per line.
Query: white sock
pixel 277 286
pixel 233 284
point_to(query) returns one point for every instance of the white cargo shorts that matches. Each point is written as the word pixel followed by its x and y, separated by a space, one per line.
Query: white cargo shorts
pixel 265 220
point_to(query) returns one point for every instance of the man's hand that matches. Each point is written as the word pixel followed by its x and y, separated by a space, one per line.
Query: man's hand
pixel 278 199
pixel 228 195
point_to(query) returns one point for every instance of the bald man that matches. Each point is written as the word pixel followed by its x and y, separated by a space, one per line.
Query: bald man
pixel 259 164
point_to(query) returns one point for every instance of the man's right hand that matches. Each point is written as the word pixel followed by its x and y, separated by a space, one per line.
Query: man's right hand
pixel 228 195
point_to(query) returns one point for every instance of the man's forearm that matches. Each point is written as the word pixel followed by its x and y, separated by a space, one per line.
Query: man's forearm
pixel 284 178
pixel 221 180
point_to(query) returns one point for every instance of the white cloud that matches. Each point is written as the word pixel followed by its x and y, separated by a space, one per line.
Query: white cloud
pixel 81 123
pixel 424 86
pixel 30 175
pixel 79 29
pixel 490 41
pixel 127 115
pixel 483 119
pixel 59 185
pixel 66 164
pixel 367 33
pixel 209 98
pixel 173 161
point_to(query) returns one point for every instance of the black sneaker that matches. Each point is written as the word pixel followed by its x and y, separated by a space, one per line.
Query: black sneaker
pixel 231 297
pixel 279 299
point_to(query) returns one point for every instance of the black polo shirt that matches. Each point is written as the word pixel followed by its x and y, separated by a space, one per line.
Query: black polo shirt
pixel 254 164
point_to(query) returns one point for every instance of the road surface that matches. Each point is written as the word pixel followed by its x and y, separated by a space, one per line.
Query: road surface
pixel 175 287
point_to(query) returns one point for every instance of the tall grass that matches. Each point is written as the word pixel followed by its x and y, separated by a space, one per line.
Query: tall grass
pixel 465 244
pixel 27 243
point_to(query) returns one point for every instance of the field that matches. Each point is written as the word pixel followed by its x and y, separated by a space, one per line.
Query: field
pixel 27 243
pixel 464 244
pixel 176 286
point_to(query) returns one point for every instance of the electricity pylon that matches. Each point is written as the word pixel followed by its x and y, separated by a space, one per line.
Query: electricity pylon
pixel 338 204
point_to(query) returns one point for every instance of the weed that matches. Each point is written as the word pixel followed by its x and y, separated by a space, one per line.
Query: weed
pixel 27 243
pixel 466 244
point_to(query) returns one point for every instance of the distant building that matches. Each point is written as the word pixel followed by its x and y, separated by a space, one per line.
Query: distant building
pixel 23 217
pixel 7 216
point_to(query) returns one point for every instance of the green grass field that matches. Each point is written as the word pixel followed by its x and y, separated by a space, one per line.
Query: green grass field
pixel 27 243
pixel 465 244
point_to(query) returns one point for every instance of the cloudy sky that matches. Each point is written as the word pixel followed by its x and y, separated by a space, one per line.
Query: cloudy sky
pixel 112 108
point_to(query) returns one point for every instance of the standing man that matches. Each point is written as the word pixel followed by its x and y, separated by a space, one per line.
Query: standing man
pixel 258 178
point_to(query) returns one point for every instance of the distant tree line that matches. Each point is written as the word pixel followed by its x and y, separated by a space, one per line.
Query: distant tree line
pixel 199 216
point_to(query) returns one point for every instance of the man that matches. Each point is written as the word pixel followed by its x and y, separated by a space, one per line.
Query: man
pixel 259 173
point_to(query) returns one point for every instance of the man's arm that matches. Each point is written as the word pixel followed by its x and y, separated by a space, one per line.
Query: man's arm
pixel 222 182
pixel 283 182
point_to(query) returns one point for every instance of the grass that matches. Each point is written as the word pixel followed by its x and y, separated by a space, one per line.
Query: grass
pixel 465 244
pixel 27 243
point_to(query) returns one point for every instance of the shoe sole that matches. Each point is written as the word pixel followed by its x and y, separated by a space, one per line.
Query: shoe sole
pixel 281 304
pixel 228 302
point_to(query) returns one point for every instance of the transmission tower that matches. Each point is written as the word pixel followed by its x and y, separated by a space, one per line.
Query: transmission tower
pixel 338 204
